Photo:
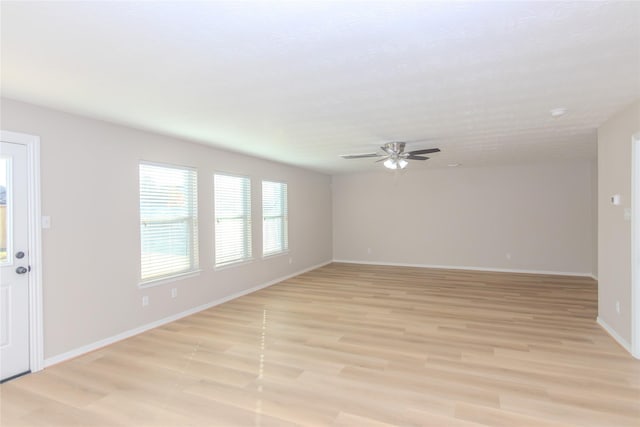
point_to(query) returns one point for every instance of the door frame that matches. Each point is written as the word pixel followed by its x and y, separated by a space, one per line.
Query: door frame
pixel 36 329
pixel 635 246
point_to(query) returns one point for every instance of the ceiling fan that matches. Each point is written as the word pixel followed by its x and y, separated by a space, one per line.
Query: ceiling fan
pixel 394 156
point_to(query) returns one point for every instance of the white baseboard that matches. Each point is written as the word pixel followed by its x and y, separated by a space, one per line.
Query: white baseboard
pixel 127 334
pixel 616 337
pixel 464 267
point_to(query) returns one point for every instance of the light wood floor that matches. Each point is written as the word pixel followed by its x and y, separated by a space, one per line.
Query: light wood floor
pixel 356 345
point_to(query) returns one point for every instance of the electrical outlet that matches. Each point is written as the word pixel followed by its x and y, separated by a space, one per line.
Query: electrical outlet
pixel 145 301
pixel 618 307
pixel 290 260
pixel 508 256
pixel 369 251
pixel 174 292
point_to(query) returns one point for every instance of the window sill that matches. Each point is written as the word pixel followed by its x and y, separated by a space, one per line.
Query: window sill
pixel 168 279
pixel 233 264
pixel 275 254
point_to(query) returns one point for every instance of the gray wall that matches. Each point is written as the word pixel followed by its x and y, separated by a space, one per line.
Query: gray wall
pixel 540 214
pixel 614 231
pixel 92 252
pixel 535 217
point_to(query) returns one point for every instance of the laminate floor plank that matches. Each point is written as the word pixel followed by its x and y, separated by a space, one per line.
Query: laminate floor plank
pixel 356 345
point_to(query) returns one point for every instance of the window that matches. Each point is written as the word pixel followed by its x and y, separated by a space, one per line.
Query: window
pixel 168 221
pixel 232 201
pixel 275 237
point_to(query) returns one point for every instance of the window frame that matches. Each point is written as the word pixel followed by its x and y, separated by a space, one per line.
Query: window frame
pixel 284 223
pixel 193 227
pixel 247 224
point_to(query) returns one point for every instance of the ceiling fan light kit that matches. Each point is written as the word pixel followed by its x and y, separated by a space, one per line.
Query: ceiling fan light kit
pixel 395 163
pixel 394 156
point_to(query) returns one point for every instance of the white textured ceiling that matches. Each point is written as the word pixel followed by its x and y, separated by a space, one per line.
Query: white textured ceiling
pixel 302 82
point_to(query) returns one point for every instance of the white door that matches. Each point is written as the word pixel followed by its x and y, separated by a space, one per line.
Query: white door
pixel 635 251
pixel 14 261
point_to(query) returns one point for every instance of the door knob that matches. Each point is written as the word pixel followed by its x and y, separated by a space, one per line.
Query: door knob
pixel 21 270
pixel 20 255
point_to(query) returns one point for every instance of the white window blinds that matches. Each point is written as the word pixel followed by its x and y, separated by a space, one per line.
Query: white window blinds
pixel 275 237
pixel 232 202
pixel 168 221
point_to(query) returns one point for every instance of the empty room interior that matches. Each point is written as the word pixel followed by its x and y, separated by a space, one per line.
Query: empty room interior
pixel 269 213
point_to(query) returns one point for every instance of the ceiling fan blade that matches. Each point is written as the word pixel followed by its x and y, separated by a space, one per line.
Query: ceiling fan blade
pixel 425 151
pixel 359 156
pixel 412 157
pixel 382 159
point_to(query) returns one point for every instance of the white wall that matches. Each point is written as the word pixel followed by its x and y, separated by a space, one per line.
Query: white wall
pixel 541 215
pixel 92 252
pixel 614 230
pixel 594 217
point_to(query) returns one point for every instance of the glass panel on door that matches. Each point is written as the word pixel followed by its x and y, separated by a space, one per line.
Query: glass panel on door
pixel 5 214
